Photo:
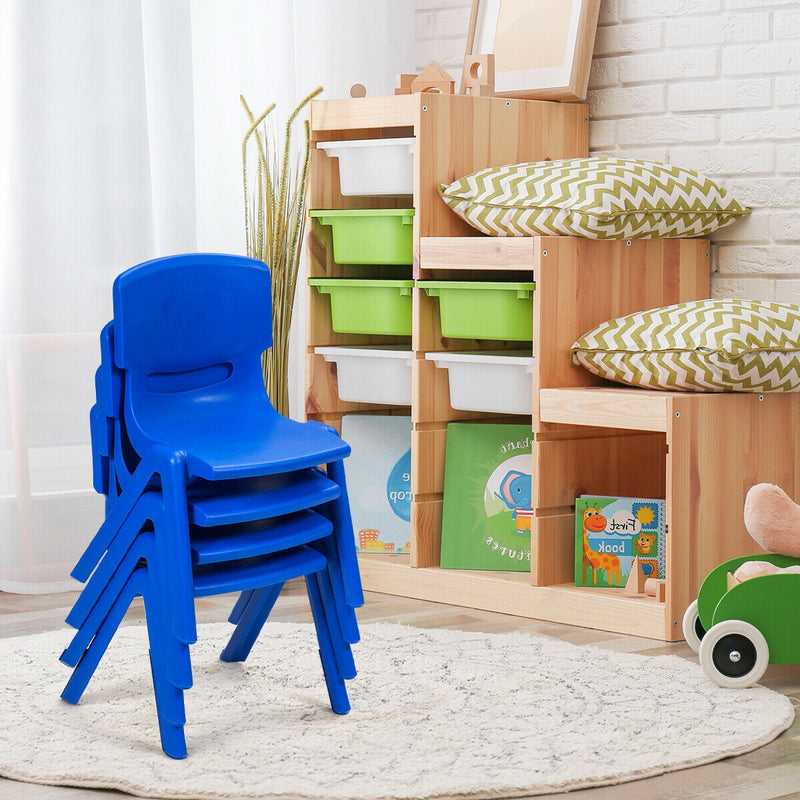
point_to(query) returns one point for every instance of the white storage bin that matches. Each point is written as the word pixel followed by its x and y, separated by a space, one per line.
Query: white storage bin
pixel 373 166
pixel 372 374
pixel 498 381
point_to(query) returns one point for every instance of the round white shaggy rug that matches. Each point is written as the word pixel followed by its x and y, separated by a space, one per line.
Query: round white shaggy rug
pixel 436 714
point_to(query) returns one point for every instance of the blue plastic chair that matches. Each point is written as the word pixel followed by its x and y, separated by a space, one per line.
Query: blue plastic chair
pixel 189 332
pixel 202 477
pixel 114 458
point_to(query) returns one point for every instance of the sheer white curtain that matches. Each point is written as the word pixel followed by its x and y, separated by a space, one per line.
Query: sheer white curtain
pixel 120 141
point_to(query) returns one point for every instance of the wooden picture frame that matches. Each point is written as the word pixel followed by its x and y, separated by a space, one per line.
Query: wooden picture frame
pixel 541 49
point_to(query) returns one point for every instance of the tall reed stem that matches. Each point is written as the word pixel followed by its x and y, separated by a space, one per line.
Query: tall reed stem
pixel 274 221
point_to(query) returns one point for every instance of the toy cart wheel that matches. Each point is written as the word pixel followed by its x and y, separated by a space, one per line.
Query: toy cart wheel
pixel 734 654
pixel 693 630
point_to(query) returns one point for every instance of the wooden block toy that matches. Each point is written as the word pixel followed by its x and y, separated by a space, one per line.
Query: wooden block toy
pixel 358 90
pixel 656 587
pixel 637 579
pixel 478 75
pixel 433 79
pixel 404 81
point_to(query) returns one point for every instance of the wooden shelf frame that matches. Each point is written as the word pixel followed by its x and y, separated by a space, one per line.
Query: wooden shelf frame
pixel 455 135
pixel 511 593
pixel 699 451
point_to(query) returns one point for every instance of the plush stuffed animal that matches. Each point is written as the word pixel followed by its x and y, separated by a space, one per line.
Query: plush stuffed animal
pixel 772 518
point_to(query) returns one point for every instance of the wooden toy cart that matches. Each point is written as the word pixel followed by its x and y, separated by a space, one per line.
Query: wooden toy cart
pixel 739 628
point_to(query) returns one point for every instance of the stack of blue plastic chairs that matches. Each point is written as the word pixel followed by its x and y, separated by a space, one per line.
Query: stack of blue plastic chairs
pixel 208 489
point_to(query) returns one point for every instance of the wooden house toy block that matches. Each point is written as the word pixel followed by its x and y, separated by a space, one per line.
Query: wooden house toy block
pixel 478 75
pixel 433 79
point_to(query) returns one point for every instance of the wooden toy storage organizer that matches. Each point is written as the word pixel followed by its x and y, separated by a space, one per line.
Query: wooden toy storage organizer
pixel 699 451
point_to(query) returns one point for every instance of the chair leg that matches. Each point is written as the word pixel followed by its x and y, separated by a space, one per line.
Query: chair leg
pixel 176 653
pixel 168 657
pixel 169 700
pixel 173 738
pixel 240 605
pixel 120 545
pixel 342 652
pixel 90 658
pixel 98 596
pixel 117 514
pixel 337 691
pixel 174 546
pixel 250 622
pixel 343 531
pixel 337 580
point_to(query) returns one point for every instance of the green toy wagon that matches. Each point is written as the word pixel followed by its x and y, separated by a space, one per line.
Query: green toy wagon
pixel 738 631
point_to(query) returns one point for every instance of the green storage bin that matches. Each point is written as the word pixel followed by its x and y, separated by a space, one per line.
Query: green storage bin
pixel 484 310
pixel 368 306
pixel 370 235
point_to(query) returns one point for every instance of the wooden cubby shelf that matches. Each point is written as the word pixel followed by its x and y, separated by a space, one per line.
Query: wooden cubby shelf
pixel 701 452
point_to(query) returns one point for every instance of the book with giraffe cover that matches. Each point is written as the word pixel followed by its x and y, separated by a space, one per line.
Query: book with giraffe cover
pixel 610 532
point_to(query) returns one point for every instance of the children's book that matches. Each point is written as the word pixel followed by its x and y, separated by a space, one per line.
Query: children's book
pixel 610 532
pixel 378 474
pixel 486 517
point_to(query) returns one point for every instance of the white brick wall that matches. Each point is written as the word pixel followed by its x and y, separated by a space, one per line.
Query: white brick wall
pixel 713 85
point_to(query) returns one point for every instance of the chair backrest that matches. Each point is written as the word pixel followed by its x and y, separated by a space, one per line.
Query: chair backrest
pixel 113 458
pixel 181 319
pixel 188 332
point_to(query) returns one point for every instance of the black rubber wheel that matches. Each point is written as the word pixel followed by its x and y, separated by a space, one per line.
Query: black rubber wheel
pixel 734 654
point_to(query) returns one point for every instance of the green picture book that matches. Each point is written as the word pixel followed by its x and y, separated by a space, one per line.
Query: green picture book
pixel 610 532
pixel 486 516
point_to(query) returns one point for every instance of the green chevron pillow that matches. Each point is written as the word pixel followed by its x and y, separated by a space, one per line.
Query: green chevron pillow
pixel 702 346
pixel 596 198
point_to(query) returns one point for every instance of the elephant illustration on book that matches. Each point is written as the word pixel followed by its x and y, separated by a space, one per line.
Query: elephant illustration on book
pixel 515 492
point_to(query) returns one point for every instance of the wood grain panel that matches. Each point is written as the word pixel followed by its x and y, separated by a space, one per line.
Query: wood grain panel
pixel 720 445
pixel 607 466
pixel 625 408
pixel 426 526
pixel 363 113
pixel 553 550
pixel 581 283
pixel 486 253
pixel 427 461
pixel 458 135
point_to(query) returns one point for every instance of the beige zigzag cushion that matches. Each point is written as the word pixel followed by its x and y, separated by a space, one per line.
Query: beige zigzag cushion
pixel 595 198
pixel 706 346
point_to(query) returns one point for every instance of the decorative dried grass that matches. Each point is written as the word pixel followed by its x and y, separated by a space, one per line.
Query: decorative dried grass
pixel 274 220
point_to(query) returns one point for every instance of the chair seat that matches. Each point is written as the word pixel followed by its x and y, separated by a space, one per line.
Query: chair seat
pixel 246 499
pixel 230 542
pixel 225 440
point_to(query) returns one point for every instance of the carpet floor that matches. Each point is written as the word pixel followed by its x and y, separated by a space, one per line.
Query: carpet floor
pixel 436 714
